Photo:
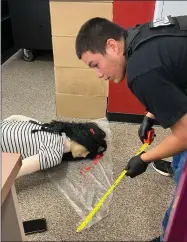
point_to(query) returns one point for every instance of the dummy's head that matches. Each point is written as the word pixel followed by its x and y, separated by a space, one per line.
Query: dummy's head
pixel 100 45
pixel 86 139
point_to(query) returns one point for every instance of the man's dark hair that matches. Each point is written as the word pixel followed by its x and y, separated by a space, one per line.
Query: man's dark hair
pixel 94 34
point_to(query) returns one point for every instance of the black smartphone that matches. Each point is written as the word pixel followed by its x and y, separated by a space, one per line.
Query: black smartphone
pixel 35 226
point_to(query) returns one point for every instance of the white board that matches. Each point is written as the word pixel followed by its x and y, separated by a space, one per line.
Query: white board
pixel 174 8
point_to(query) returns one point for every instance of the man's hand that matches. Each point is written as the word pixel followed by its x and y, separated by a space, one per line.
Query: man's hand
pixel 146 125
pixel 136 166
pixel 173 144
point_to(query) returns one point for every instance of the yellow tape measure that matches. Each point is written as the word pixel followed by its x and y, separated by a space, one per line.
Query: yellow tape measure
pixel 101 201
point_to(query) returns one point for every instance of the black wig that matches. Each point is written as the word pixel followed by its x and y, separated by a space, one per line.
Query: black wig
pixel 88 134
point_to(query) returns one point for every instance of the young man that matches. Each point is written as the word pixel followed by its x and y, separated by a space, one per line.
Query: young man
pixel 154 59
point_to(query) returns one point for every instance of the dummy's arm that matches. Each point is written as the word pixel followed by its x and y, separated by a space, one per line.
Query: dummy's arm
pixel 19 118
pixel 29 165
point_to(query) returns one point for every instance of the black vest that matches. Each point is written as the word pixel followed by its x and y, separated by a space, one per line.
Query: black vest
pixel 169 26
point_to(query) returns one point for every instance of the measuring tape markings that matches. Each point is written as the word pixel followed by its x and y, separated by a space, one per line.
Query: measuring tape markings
pixel 101 201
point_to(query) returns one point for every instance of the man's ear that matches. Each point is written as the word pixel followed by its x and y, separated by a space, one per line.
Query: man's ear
pixel 112 46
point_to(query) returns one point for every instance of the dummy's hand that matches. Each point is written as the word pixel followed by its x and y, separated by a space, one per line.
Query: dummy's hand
pixel 145 126
pixel 136 166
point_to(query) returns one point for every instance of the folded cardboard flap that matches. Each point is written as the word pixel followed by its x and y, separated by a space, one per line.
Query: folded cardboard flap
pixel 67 17
pixel 79 81
pixel 80 106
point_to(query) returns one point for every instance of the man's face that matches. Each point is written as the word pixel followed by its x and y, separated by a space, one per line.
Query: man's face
pixel 111 65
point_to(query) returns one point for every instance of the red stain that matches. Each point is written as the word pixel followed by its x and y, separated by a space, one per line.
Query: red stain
pixel 88 168
pixel 92 131
pixel 97 159
pixel 81 171
pixel 96 162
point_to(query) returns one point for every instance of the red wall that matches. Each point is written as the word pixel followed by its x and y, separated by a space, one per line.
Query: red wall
pixel 126 14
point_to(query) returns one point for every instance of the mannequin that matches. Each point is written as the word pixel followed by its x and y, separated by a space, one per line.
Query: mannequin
pixel 45 145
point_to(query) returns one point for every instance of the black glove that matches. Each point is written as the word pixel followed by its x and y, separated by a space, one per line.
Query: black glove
pixel 136 166
pixel 146 125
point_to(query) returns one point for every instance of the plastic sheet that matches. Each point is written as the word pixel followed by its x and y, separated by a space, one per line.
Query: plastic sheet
pixel 83 183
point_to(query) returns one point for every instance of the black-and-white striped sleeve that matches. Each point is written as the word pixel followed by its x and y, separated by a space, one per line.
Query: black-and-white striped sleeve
pixel 51 153
pixel 18 138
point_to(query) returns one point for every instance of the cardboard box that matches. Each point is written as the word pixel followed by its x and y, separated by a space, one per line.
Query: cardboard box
pixel 79 81
pixel 80 106
pixel 64 53
pixel 68 17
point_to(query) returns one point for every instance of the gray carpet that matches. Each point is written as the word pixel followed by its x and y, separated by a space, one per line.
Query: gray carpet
pixel 137 206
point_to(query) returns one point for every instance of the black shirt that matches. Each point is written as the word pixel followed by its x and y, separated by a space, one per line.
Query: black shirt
pixel 157 75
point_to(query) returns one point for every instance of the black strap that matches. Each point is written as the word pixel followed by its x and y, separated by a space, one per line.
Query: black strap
pixel 44 127
pixel 142 33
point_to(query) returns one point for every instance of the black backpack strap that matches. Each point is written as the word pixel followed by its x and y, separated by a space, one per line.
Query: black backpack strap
pixel 176 26
pixel 182 21
pixel 130 36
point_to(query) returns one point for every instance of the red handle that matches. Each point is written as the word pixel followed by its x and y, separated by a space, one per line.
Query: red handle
pixel 150 136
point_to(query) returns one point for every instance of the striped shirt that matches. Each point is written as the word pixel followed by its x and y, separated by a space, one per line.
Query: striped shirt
pixel 17 138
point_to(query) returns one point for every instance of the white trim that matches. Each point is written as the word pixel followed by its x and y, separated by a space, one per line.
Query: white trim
pixel 158 9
